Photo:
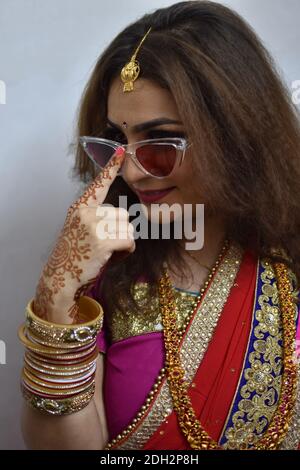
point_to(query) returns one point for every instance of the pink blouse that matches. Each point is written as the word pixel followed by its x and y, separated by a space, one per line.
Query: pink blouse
pixel 131 368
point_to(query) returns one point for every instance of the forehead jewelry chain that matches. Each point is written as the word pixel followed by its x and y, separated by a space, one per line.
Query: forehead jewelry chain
pixel 131 70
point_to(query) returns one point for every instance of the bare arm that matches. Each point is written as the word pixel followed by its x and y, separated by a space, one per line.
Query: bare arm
pixel 85 429
pixel 60 282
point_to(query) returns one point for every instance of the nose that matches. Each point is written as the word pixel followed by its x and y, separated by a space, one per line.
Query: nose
pixel 130 171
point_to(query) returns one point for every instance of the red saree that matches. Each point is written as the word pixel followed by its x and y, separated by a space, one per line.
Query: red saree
pixel 216 379
pixel 232 351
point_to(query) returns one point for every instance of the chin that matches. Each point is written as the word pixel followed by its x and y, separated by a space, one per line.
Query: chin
pixel 161 213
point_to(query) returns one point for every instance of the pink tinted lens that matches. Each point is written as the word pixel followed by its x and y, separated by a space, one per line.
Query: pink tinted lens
pixel 99 152
pixel 157 159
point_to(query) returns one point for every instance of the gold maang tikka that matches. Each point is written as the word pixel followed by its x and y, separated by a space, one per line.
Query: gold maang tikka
pixel 131 70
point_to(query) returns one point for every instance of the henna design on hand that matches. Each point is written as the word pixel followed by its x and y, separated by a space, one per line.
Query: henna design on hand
pixel 90 192
pixel 69 251
pixel 62 264
pixel 74 309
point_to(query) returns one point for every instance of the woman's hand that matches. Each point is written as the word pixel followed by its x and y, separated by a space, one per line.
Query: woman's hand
pixel 79 253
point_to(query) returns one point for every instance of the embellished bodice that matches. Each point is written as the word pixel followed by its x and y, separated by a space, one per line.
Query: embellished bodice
pixel 148 319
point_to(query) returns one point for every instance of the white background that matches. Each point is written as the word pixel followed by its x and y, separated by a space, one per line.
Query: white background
pixel 47 51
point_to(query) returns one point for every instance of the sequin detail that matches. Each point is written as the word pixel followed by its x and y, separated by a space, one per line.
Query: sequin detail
pixel 148 319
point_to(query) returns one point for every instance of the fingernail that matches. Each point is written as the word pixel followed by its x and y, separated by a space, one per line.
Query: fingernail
pixel 119 153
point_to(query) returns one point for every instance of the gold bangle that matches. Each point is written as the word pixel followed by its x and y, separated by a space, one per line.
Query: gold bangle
pixel 66 379
pixel 65 356
pixel 60 372
pixel 84 356
pixel 51 391
pixel 57 374
pixel 33 346
pixel 47 351
pixel 58 407
pixel 58 385
pixel 35 339
pixel 52 367
pixel 91 313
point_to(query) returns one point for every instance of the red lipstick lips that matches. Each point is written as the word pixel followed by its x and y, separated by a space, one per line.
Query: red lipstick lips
pixel 155 195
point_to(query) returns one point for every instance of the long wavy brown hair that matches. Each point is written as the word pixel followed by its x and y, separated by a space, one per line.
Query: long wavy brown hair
pixel 236 109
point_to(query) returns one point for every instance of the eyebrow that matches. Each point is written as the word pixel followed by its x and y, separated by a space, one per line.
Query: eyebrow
pixel 148 124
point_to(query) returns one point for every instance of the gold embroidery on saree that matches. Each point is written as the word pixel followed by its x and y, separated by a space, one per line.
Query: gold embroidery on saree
pixel 194 346
pixel 292 438
pixel 258 392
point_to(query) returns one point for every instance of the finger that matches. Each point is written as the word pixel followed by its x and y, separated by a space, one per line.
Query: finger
pixel 131 249
pixel 117 221
pixel 128 245
pixel 98 189
pixel 103 233
pixel 110 213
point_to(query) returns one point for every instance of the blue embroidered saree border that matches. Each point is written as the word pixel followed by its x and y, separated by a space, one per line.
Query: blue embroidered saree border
pixel 258 389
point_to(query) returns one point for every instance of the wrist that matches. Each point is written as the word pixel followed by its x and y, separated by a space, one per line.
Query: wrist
pixel 58 376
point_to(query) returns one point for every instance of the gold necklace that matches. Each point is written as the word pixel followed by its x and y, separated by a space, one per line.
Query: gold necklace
pixel 190 426
pixel 205 285
pixel 162 374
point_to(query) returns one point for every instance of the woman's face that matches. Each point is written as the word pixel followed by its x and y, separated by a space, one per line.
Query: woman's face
pixel 146 102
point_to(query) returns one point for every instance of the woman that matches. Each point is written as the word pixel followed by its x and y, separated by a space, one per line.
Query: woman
pixel 197 349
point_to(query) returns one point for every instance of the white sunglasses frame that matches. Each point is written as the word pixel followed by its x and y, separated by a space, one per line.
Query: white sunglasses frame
pixel 180 143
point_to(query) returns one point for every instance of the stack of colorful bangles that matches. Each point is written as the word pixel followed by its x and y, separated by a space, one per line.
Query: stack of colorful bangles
pixel 58 376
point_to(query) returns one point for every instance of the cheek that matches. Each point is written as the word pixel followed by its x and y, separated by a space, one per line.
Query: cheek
pixel 185 179
pixel 185 173
pixel 188 185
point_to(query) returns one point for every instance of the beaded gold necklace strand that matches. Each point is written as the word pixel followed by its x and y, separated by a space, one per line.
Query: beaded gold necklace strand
pixel 190 426
pixel 180 333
